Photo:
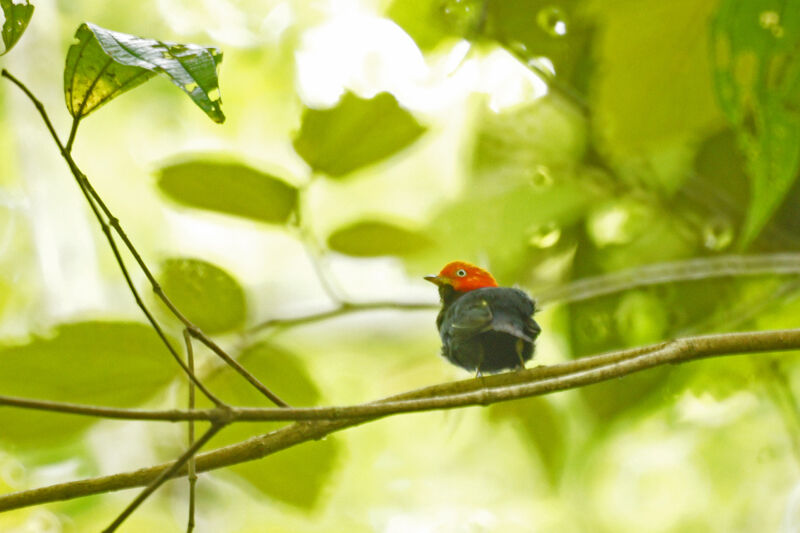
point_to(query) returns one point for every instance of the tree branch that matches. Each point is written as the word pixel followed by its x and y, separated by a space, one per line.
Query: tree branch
pixel 95 201
pixel 670 272
pixel 342 309
pixel 82 182
pixel 162 477
pixel 592 287
pixel 485 391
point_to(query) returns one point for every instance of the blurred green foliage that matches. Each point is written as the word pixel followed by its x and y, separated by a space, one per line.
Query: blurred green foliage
pixel 375 238
pixel 100 363
pixel 355 133
pixel 212 299
pixel 247 192
pixel 667 131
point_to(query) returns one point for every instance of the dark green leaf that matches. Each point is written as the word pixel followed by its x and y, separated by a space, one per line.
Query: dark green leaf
pixel 206 294
pixel 373 238
pixel 103 64
pixel 540 424
pixel 100 363
pixel 355 133
pixel 18 14
pixel 295 476
pixel 231 188
pixel 757 75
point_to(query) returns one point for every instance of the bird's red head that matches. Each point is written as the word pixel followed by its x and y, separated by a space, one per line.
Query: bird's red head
pixel 463 277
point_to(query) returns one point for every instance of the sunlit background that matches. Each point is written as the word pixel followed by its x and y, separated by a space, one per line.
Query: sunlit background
pixel 561 140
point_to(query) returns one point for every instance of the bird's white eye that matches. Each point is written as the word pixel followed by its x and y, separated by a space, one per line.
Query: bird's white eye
pixel 461 273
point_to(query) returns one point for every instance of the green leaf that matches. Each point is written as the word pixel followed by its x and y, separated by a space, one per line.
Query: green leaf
pixel 18 14
pixel 210 297
pixel 298 475
pixel 355 133
pixel 102 363
pixel 103 64
pixel 231 188
pixel 375 238
pixel 540 424
pixel 757 76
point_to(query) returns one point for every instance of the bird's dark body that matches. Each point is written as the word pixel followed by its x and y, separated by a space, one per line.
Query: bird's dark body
pixel 487 330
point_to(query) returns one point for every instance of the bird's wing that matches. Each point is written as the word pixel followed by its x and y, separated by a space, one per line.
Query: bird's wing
pixel 470 317
pixel 532 328
pixel 512 313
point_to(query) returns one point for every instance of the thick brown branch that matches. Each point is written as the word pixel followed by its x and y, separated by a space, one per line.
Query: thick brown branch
pixel 484 391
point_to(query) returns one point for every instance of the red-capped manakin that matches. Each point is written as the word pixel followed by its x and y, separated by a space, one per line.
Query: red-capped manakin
pixel 484 328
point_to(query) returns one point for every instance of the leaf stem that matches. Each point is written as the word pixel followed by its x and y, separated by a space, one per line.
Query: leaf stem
pixel 73 131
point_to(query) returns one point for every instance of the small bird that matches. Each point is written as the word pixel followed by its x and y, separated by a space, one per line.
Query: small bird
pixel 484 328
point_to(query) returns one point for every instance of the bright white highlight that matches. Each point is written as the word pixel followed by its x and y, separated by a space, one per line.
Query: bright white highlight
pixel 367 54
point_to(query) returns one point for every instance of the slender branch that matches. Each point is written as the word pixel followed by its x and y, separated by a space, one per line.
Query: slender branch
pixel 484 391
pixel 165 475
pixel 115 413
pixel 662 273
pixel 192 473
pixel 593 287
pixel 113 221
pixel 342 309
pixel 80 178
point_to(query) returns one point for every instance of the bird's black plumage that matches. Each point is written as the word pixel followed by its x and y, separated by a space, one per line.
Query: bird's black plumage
pixel 487 330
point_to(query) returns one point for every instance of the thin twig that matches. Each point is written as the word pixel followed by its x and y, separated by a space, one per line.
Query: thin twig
pixel 115 413
pixel 192 473
pixel 165 474
pixel 484 391
pixel 673 271
pixel 113 221
pixel 109 237
pixel 344 308
pixel 195 331
pixel 593 287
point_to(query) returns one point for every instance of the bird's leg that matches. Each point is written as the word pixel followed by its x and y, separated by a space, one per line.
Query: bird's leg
pixel 520 346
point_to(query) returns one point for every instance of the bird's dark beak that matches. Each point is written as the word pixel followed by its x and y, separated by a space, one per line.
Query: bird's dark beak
pixel 436 280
